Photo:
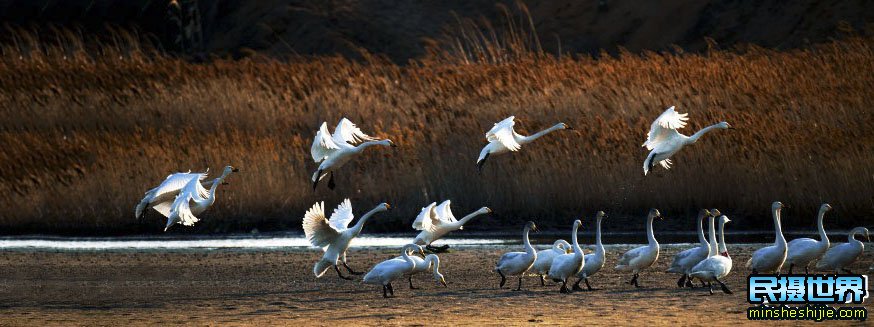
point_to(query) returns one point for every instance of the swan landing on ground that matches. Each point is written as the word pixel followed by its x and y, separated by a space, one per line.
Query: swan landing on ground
pixel 333 151
pixel 436 221
pixel 389 270
pixel 803 251
pixel 842 255
pixel 502 138
pixel 193 199
pixel 771 258
pixel 161 198
pixel 518 263
pixel 334 235
pixel 642 257
pixel 663 140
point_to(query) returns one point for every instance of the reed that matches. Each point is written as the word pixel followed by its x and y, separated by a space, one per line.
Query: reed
pixel 84 133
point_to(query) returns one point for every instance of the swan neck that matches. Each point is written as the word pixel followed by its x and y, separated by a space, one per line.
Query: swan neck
pixel 367 144
pixel 778 229
pixel 650 237
pixel 598 234
pixel 532 137
pixel 406 254
pixel 701 239
pixel 711 232
pixel 694 138
pixel 528 248
pixel 435 261
pixel 467 218
pixel 577 249
pixel 360 224
pixel 823 237
pixel 722 247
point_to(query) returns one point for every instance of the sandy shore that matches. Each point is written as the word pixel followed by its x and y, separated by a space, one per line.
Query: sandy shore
pixel 277 288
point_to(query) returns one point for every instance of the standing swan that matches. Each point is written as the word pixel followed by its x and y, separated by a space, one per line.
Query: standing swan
pixel 182 210
pixel 160 198
pixel 716 266
pixel 333 151
pixel 436 222
pixel 544 258
pixel 593 261
pixel 503 138
pixel 387 271
pixel 518 263
pixel 567 265
pixel 431 262
pixel 334 235
pixel 802 251
pixel 684 261
pixel 842 255
pixel 663 139
pixel 771 258
pixel 642 257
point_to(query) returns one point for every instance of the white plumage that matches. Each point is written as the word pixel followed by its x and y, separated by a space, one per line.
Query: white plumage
pixel 503 138
pixel 642 257
pixel 434 223
pixel 770 259
pixel 389 270
pixel 716 266
pixel 518 263
pixel 842 255
pixel 593 262
pixel 191 200
pixel 803 251
pixel 334 151
pixel 544 258
pixel 685 260
pixel 161 197
pixel 430 262
pixel 334 235
pixel 566 265
pixel 663 140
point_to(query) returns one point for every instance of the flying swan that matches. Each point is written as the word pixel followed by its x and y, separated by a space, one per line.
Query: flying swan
pixel 663 140
pixel 435 222
pixel 518 263
pixel 193 199
pixel 503 138
pixel 642 257
pixel 803 251
pixel 333 151
pixel 161 198
pixel 334 235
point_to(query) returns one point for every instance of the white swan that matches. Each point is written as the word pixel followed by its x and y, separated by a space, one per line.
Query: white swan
pixel 567 265
pixel 592 261
pixel 544 258
pixel 193 199
pixel 663 139
pixel 160 198
pixel 503 138
pixel 431 262
pixel 716 266
pixel 518 263
pixel 389 270
pixel 435 222
pixel 642 257
pixel 771 258
pixel 334 235
pixel 685 260
pixel 333 151
pixel 842 255
pixel 803 251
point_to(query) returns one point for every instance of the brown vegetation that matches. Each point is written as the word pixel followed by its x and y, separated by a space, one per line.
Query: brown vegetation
pixel 84 133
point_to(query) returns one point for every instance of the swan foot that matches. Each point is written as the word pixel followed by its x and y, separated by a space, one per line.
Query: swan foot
pixel 349 269
pixel 724 288
pixel 564 289
pixel 682 281
pixel 331 184
pixel 384 291
pixel 479 164
pixel 391 290
pixel 503 279
pixel 702 283
pixel 341 274
pixel 634 280
pixel 577 285
pixel 587 284
pixel 689 283
pixel 519 287
pixel 542 281
pixel 711 290
pixel 437 249
pixel 316 182
pixel 806 272
pixel 410 279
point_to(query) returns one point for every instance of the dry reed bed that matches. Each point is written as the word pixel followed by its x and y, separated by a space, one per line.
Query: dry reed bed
pixel 83 137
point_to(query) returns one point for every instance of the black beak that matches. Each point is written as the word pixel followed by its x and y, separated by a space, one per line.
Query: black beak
pixel 235 170
pixel 225 183
pixel 569 128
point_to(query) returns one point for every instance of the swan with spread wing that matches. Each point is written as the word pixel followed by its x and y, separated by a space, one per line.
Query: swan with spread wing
pixel 663 140
pixel 334 234
pixel 333 151
pixel 502 138
pixel 435 221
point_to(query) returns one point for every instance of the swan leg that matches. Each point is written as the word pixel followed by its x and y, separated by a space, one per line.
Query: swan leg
pixel 790 268
pixel 702 282
pixel 711 289
pixel 384 291
pixel 577 285
pixel 651 163
pixel 479 164
pixel 806 271
pixel 519 287
pixel 349 269
pixel 587 284
pixel 564 288
pixel 724 288
pixel 410 279
pixel 542 281
pixel 634 280
pixel 436 249
pixel 391 290
pixel 503 279
pixel 682 281
pixel 316 182
pixel 689 282
pixel 331 184
pixel 340 274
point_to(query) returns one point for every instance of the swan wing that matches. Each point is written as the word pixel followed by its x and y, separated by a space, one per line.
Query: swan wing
pixel 629 256
pixel 347 132
pixel 323 145
pixel 316 227
pixel 182 205
pixel 174 183
pixel 444 213
pixel 342 216
pixel 427 219
pixel 163 208
pixel 503 132
pixel 665 127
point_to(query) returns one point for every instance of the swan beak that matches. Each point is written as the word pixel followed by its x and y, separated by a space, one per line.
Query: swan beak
pixel 392 144
pixel 225 183
pixel 387 206
pixel 442 281
pixel 235 170
pixel 568 127
pixel 488 210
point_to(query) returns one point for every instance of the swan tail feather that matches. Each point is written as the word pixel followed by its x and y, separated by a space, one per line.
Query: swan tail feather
pixel 321 267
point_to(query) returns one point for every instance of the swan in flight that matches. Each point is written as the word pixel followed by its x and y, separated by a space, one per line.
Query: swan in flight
pixel 771 258
pixel 803 251
pixel 334 235
pixel 842 255
pixel 663 140
pixel 503 138
pixel 431 262
pixel 566 265
pixel 182 211
pixel 161 198
pixel 684 261
pixel 642 257
pixel 436 221
pixel 333 151
pixel 592 261
pixel 389 270
pixel 518 263
pixel 544 258
pixel 716 266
